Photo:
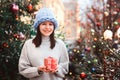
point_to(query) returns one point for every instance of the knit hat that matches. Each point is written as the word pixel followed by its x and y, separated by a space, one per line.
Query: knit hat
pixel 45 14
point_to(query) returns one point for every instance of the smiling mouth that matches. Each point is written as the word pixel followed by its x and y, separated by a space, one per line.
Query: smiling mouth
pixel 47 31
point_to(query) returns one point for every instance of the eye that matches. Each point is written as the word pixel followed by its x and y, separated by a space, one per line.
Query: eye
pixel 43 23
pixel 51 24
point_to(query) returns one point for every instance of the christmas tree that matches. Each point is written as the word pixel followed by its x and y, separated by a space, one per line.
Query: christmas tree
pixel 96 55
pixel 83 64
pixel 16 17
pixel 105 35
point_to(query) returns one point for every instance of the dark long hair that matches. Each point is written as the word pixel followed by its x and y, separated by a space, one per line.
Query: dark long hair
pixel 38 39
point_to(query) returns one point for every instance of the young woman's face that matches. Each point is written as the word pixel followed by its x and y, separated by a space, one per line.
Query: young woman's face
pixel 46 28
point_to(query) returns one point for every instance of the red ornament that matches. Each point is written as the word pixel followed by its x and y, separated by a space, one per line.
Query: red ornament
pixel 16 16
pixel 30 8
pixel 106 52
pixel 83 75
pixel 116 27
pixel 5 44
pixel 88 49
pixel 117 9
pixel 14 8
pixel 16 35
pixel 79 40
pixel 98 24
pixel 118 20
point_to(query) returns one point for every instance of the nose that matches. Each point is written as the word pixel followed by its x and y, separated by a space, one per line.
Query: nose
pixel 47 26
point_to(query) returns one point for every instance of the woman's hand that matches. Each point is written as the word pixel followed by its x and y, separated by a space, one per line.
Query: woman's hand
pixel 42 68
pixel 45 69
pixel 53 70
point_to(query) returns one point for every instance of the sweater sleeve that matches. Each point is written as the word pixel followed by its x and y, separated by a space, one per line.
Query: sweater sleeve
pixel 63 63
pixel 24 65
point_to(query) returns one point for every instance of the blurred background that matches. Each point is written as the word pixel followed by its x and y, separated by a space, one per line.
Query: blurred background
pixel 89 28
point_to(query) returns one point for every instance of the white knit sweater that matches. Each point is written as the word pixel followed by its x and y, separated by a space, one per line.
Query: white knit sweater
pixel 31 58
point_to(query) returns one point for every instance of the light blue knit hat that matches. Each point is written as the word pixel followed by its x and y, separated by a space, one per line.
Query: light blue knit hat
pixel 45 14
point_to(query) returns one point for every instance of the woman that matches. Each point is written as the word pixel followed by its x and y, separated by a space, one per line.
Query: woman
pixel 34 51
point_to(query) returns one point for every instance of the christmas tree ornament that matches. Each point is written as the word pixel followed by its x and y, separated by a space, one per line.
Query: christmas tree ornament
pixel 70 52
pixel 30 8
pixel 88 49
pixel 117 27
pixel 94 46
pixel 92 30
pixel 70 73
pixel 82 55
pixel 37 7
pixel 95 60
pixel 16 35
pixel 107 52
pixel 83 75
pixel 84 58
pixel 5 45
pixel 78 51
pixel 98 24
pixel 16 16
pixel 108 34
pixel 21 36
pixel 74 50
pixel 106 14
pixel 14 8
pixel 115 12
pixel 117 9
pixel 89 62
pixel 79 40
pixel 85 49
pixel 95 39
pixel 118 33
pixel 116 23
pixel 93 69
